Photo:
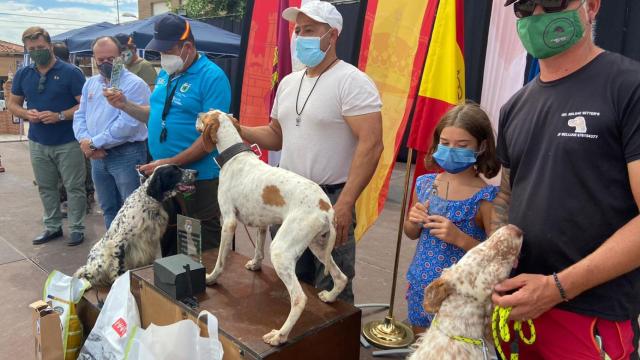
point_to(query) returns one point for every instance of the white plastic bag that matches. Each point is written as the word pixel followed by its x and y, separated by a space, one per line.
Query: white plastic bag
pixel 65 292
pixel 115 324
pixel 177 341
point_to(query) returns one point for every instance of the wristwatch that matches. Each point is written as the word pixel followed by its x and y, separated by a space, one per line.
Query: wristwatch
pixel 61 116
pixel 91 146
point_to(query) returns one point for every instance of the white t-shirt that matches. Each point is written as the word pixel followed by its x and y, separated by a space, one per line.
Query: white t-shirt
pixel 321 146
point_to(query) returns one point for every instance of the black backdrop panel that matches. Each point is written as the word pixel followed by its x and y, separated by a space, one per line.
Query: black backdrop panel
pixel 610 25
pixel 477 16
pixel 618 28
pixel 347 41
pixel 632 35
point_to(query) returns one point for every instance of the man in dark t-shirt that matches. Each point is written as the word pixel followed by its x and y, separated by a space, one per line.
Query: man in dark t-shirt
pixel 52 90
pixel 569 143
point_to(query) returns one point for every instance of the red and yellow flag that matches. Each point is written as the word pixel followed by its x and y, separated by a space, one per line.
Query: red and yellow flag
pixel 443 78
pixel 268 60
pixel 394 44
pixel 255 105
pixel 282 54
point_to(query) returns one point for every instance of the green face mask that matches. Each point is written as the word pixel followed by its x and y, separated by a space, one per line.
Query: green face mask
pixel 550 34
pixel 40 56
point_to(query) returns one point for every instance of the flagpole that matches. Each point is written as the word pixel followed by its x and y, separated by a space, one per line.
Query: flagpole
pixel 389 333
pixel 244 44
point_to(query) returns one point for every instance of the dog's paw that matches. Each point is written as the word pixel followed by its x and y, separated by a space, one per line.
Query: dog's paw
pixel 274 338
pixel 325 296
pixel 253 265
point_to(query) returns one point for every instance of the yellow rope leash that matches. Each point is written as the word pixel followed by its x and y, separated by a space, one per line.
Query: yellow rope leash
pixel 464 339
pixel 500 330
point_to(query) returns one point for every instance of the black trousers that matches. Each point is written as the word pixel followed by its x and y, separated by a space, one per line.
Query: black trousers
pixel 201 205
pixel 311 271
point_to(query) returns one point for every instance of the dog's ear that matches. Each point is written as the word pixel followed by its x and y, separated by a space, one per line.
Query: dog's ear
pixel 236 124
pixel 435 294
pixel 155 187
pixel 209 135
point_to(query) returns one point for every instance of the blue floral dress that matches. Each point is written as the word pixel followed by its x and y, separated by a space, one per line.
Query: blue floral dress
pixel 434 255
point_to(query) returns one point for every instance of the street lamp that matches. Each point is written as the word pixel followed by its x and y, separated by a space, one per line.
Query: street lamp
pixel 118 11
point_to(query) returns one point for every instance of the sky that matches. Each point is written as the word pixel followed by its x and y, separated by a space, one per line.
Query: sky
pixel 58 16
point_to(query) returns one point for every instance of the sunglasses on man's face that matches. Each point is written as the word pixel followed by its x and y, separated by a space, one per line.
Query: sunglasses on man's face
pixel 525 8
pixel 43 79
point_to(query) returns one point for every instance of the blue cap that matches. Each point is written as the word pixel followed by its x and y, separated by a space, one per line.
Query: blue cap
pixel 168 30
pixel 124 40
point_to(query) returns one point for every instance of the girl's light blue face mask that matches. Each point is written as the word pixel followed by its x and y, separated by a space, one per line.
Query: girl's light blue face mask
pixel 308 49
pixel 454 160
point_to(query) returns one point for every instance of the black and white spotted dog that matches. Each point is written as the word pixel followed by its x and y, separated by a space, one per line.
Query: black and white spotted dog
pixel 133 239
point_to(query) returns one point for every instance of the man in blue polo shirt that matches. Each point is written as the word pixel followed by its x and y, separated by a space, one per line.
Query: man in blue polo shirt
pixel 52 89
pixel 187 85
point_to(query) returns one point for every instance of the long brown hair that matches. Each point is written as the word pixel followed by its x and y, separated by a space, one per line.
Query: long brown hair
pixel 471 118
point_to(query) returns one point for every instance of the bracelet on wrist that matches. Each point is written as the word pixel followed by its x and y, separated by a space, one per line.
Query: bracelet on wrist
pixel 563 294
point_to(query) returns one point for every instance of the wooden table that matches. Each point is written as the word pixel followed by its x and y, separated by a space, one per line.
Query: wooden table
pixel 248 305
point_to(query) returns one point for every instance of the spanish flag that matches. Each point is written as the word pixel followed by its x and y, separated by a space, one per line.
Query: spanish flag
pixel 393 50
pixel 443 78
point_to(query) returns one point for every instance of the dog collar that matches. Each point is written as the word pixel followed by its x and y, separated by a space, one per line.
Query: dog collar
pixel 230 152
pixel 464 339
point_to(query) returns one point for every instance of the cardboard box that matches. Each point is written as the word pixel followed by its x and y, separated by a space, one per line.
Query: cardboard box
pixel 171 277
pixel 47 331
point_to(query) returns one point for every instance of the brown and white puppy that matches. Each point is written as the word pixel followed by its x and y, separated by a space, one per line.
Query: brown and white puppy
pixel 133 239
pixel 260 195
pixel 461 297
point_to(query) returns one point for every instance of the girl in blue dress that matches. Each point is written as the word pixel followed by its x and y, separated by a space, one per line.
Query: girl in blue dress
pixel 451 209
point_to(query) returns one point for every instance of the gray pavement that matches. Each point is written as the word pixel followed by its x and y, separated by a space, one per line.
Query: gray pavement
pixel 23 266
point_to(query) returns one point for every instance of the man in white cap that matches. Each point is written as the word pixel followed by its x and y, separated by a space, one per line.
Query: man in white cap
pixel 326 120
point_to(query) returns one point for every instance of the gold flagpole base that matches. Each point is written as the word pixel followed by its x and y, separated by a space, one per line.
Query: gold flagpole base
pixel 388 333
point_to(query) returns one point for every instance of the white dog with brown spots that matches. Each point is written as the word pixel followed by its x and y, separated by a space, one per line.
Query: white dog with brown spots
pixel 260 195
pixel 461 297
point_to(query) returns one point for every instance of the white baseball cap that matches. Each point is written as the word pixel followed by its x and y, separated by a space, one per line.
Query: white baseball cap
pixel 320 11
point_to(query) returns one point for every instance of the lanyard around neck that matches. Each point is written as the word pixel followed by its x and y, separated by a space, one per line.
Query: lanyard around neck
pixel 168 100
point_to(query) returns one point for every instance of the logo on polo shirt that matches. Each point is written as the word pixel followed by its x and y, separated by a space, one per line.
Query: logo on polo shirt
pixel 578 123
pixel 185 87
pixel 56 77
pixel 161 81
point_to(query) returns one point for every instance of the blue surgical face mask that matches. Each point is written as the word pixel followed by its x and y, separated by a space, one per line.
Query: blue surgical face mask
pixel 308 50
pixel 454 160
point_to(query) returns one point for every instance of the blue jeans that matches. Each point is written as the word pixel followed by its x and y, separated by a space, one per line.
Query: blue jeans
pixel 115 176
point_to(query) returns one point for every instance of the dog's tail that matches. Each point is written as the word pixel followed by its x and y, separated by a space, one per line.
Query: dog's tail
pixel 331 242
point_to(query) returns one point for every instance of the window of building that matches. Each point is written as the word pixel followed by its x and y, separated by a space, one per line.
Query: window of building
pixel 159 8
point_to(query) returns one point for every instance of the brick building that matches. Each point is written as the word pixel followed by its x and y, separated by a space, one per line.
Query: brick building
pixel 148 8
pixel 8 124
pixel 11 58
